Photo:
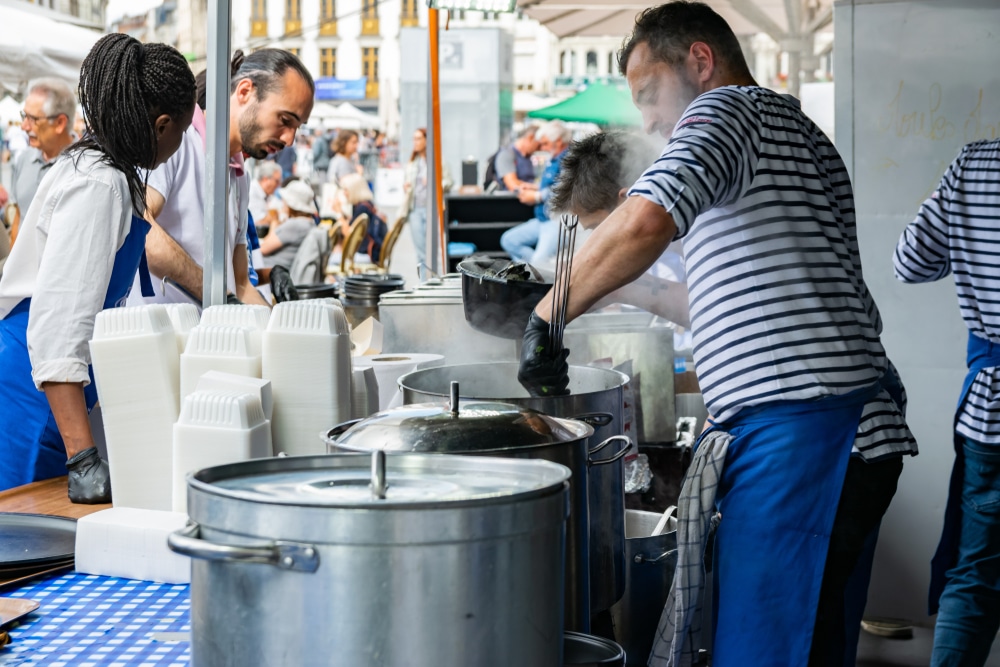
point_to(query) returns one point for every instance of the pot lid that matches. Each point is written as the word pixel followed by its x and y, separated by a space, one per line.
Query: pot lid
pixel 380 480
pixel 477 426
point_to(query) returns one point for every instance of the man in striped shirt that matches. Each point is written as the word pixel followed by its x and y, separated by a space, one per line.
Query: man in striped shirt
pixel 786 335
pixel 956 232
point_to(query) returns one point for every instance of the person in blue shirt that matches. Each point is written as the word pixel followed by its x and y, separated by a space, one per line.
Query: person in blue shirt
pixel 535 240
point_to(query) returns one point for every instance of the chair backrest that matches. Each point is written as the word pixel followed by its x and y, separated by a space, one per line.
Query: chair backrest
pixel 389 243
pixel 352 242
pixel 311 257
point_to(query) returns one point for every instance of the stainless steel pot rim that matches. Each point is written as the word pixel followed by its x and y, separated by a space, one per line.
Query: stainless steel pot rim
pixel 405 381
pixel 416 481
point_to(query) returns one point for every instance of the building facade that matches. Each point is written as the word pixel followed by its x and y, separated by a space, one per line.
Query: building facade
pixel 89 13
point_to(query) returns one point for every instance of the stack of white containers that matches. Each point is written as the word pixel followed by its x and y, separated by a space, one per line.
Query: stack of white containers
pixel 217 427
pixel 307 358
pixel 135 361
pixel 364 393
pixel 228 339
pixel 184 317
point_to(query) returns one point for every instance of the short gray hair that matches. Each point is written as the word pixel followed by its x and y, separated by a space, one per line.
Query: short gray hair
pixel 554 130
pixel 268 169
pixel 59 98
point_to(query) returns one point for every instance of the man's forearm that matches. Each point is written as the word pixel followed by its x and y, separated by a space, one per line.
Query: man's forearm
pixel 70 411
pixel 620 250
pixel 168 260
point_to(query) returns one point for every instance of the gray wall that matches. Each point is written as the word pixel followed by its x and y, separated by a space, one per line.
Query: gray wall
pixel 916 80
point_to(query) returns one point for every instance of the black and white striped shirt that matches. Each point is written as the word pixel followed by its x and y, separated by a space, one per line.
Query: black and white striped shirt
pixel 957 231
pixel 779 309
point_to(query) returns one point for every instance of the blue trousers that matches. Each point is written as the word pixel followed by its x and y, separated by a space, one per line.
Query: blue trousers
pixel 418 228
pixel 969 612
pixel 519 242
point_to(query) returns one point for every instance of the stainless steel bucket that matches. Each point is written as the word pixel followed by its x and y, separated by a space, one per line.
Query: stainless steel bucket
pixel 651 563
pixel 436 560
pixel 596 398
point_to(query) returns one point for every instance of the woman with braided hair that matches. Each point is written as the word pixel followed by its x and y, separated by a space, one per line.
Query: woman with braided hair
pixel 81 244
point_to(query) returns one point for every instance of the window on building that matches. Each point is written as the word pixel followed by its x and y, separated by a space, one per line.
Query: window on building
pixel 328 17
pixel 294 50
pixel 293 17
pixel 258 18
pixel 591 63
pixel 611 64
pixel 369 17
pixel 369 69
pixel 408 16
pixel 328 62
pixel 562 62
pixel 74 7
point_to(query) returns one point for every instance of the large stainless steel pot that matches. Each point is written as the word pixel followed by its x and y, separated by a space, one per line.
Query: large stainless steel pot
pixel 498 429
pixel 592 390
pixel 335 560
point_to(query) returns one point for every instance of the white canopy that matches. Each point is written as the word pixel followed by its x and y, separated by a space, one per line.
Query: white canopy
pixel 33 45
pixel 10 110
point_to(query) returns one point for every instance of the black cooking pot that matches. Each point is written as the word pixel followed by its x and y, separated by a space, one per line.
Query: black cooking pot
pixel 317 291
pixel 580 650
pixel 497 306
pixel 369 288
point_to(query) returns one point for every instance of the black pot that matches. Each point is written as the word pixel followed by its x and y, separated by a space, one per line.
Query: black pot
pixel 580 650
pixel 317 291
pixel 496 306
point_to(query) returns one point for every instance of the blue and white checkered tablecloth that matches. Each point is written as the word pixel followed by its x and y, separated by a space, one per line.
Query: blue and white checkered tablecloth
pixel 89 621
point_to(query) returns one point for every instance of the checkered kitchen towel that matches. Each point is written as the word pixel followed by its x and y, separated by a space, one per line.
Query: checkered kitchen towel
pixel 679 631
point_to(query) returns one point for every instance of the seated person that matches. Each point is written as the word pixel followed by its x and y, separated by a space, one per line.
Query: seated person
pixel 596 173
pixel 283 241
pixel 359 196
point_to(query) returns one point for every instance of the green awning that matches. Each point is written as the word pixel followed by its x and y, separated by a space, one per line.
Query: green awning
pixel 600 103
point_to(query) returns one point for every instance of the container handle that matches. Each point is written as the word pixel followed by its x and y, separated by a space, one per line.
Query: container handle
pixel 284 555
pixel 596 419
pixel 639 558
pixel 619 455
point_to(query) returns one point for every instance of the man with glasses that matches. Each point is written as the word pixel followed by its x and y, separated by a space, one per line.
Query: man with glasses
pixel 47 118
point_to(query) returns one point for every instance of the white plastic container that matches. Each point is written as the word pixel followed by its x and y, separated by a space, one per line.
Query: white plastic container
pixel 307 358
pixel 230 349
pixel 364 393
pixel 215 428
pixel 132 544
pixel 135 361
pixel 219 381
pixel 184 317
pixel 252 317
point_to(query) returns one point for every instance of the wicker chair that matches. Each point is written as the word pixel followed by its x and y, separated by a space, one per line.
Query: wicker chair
pixel 352 243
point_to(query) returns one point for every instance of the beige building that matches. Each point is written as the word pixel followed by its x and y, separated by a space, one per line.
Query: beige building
pixel 89 13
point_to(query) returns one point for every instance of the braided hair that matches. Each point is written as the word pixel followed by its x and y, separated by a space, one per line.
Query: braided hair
pixel 124 86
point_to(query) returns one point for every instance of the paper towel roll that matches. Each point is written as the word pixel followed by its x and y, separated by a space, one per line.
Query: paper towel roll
pixel 390 367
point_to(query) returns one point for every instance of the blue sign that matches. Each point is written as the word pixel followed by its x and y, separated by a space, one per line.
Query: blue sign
pixel 332 88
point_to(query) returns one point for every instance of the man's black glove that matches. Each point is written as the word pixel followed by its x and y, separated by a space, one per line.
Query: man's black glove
pixel 89 480
pixel 282 286
pixel 541 373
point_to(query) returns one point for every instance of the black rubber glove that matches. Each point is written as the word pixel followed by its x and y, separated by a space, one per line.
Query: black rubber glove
pixel 541 373
pixel 282 286
pixel 232 300
pixel 89 479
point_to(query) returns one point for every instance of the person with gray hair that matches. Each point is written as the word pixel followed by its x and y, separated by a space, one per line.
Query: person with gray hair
pixel 512 168
pixel 47 118
pixel 535 240
pixel 261 188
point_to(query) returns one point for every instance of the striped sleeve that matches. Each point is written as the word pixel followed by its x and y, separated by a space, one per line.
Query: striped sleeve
pixel 710 159
pixel 921 254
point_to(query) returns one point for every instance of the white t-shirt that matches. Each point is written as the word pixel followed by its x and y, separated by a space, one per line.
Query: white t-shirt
pixel 181 181
pixel 63 260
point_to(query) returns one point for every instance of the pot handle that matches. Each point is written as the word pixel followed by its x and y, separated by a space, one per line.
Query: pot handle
pixel 283 555
pixel 595 419
pixel 639 558
pixel 619 455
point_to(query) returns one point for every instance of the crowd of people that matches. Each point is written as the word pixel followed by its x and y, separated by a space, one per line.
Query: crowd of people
pixel 739 224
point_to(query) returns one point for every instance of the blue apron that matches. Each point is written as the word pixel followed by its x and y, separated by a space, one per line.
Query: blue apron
pixel 980 354
pixel 31 448
pixel 767 581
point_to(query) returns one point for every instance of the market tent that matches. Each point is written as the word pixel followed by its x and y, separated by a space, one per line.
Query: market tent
pixel 10 111
pixel 33 45
pixel 600 103
pixel 363 119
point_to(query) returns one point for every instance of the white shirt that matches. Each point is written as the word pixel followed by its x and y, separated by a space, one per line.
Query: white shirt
pixel 63 260
pixel 955 232
pixel 181 181
pixel 779 308
pixel 258 202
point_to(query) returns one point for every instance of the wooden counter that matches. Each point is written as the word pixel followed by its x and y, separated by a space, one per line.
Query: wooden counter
pixel 45 497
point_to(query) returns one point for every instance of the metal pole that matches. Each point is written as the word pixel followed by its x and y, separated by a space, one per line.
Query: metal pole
pixel 217 154
pixel 436 219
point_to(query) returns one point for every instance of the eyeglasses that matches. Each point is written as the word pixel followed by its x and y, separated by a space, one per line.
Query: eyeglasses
pixel 35 119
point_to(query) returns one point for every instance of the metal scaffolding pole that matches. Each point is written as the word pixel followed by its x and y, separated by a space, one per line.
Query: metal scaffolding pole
pixel 217 153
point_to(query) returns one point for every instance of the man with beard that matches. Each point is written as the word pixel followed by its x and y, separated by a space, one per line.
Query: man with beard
pixel 807 438
pixel 271 97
